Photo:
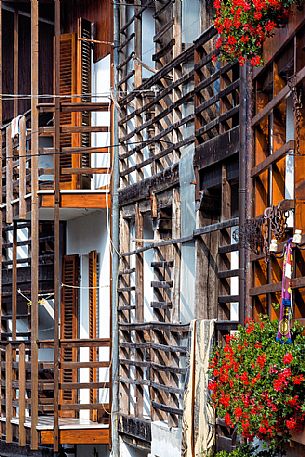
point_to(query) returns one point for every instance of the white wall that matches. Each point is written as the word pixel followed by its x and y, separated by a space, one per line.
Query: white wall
pixel 101 85
pixel 130 451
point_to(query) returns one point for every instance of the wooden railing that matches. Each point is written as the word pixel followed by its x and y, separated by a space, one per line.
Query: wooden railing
pixel 75 168
pixel 153 356
pixel 16 386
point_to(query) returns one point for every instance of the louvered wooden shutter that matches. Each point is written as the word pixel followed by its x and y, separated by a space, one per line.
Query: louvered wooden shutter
pixel 75 79
pixel 69 327
pixel 93 293
pixel 84 55
pixel 68 86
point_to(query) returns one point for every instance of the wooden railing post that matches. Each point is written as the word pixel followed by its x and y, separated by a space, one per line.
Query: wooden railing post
pixel 22 168
pixel 9 392
pixel 34 222
pixel 9 175
pixel 22 378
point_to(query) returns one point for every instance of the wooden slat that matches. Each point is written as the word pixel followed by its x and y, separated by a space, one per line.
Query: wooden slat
pixel 85 129
pixel 9 393
pixel 79 406
pixel 84 385
pixel 272 158
pixel 167 409
pixel 78 365
pixel 84 170
pixel 228 273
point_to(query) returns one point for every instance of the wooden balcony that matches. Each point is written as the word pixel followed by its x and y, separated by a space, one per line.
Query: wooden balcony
pixel 81 184
pixel 63 407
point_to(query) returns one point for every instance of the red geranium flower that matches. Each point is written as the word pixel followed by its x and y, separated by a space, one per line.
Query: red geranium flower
pixel 288 358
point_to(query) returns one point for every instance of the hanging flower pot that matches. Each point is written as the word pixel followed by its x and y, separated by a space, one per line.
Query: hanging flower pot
pixel 258 384
pixel 244 25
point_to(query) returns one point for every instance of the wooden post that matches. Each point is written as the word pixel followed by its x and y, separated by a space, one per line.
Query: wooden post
pixel 9 175
pixel 177 257
pixel 22 392
pixel 22 168
pixel 14 281
pixel 34 224
pixel 139 232
pixel 56 223
pixel 138 44
pixel 1 193
pixel 16 62
pixel 9 392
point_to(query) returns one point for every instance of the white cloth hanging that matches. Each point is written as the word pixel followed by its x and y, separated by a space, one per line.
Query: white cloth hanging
pixel 15 126
pixel 198 424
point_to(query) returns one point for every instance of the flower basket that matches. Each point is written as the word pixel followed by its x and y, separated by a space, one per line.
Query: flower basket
pixel 258 384
pixel 244 25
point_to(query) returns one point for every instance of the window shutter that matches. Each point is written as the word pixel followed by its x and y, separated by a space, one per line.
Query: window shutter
pixel 84 53
pixel 68 86
pixel 69 327
pixel 93 291
pixel 75 78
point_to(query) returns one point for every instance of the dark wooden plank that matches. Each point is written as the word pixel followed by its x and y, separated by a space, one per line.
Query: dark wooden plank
pixel 218 149
pixel 162 284
pixel 218 226
pixel 222 250
pixel 228 273
pixel 167 409
pixel 228 299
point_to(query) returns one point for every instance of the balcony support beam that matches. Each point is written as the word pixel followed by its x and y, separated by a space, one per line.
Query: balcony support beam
pixel 56 223
pixel 34 222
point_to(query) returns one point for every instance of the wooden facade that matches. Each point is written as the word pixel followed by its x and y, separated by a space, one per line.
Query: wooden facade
pixel 48 173
pixel 205 148
pixel 179 172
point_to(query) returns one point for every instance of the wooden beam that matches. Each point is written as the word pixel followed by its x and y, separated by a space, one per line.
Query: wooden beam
pixel 16 61
pixel 9 392
pixel 272 158
pixel 139 299
pixel 283 93
pixel 88 436
pixel 176 232
pixel 34 221
pixel 14 282
pixel 22 168
pixel 56 435
pixel 9 175
pixel 217 149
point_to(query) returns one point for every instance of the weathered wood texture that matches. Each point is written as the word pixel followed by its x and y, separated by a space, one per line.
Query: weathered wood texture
pixel 278 171
pixel 99 13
